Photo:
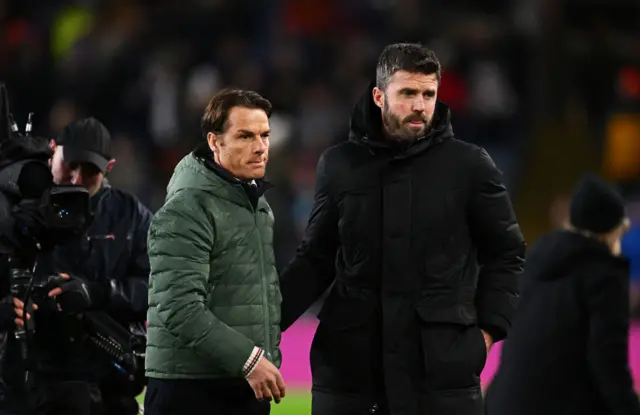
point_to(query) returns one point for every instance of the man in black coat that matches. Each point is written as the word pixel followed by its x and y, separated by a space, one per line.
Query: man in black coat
pixel 567 351
pixel 417 231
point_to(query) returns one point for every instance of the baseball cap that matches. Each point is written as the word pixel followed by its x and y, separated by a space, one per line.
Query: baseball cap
pixel 86 141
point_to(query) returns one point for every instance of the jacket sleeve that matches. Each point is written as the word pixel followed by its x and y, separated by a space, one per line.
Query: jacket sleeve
pixel 500 245
pixel 129 296
pixel 181 237
pixel 312 270
pixel 7 315
pixel 607 300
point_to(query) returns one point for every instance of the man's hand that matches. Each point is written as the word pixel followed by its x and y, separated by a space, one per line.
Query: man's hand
pixel 13 311
pixel 75 294
pixel 58 290
pixel 266 381
pixel 488 340
pixel 18 308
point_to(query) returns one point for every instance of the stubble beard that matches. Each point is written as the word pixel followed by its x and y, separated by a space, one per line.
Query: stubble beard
pixel 398 130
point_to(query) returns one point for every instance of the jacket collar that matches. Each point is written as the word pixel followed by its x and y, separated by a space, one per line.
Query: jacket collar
pixel 254 188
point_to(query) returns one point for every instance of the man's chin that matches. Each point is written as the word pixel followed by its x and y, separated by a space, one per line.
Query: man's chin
pixel 254 175
pixel 410 136
pixel 415 130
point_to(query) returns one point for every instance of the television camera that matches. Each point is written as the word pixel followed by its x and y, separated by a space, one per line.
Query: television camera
pixel 35 216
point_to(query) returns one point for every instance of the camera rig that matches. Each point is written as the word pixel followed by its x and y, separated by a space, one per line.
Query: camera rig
pixel 36 216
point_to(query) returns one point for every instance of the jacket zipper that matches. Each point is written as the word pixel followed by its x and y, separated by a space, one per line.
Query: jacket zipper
pixel 263 283
pixel 265 296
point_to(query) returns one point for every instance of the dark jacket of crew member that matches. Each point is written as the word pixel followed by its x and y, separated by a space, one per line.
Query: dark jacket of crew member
pixel 110 259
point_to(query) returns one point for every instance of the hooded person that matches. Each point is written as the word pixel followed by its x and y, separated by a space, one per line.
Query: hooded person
pixel 415 230
pixel 567 351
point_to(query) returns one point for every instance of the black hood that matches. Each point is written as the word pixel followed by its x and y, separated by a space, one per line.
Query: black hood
pixel 556 253
pixel 365 125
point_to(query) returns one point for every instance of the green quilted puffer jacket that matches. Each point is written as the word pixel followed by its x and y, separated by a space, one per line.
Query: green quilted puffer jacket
pixel 213 288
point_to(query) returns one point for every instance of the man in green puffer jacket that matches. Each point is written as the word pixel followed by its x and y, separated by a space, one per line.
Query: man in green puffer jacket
pixel 214 298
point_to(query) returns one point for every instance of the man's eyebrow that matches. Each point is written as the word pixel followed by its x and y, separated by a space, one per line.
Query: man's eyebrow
pixel 247 132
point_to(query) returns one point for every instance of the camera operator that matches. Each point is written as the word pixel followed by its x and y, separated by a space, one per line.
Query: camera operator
pixel 105 270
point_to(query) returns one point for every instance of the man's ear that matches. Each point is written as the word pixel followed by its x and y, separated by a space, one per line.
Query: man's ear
pixel 52 146
pixel 110 165
pixel 214 141
pixel 378 96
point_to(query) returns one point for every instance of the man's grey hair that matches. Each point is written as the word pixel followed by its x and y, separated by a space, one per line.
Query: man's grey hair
pixel 409 57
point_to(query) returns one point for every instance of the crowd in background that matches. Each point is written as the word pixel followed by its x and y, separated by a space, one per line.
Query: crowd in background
pixel 147 69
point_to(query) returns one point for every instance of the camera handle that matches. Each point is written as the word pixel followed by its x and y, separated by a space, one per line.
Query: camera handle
pixel 21 287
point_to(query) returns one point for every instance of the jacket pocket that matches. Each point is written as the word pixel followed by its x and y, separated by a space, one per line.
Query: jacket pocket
pixel 448 307
pixel 343 351
pixel 467 401
pixel 454 354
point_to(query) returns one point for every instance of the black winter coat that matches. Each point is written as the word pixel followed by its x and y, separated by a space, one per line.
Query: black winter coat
pixel 115 251
pixel 424 248
pixel 567 351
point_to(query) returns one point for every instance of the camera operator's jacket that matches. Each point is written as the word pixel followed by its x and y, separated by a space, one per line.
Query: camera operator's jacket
pixel 213 289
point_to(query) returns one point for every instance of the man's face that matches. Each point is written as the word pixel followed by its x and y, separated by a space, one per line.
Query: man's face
pixel 407 104
pixel 243 149
pixel 84 174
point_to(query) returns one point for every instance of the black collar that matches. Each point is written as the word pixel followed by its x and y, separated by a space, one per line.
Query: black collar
pixel 254 188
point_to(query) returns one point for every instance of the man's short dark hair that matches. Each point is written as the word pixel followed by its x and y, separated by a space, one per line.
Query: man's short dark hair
pixel 216 114
pixel 410 57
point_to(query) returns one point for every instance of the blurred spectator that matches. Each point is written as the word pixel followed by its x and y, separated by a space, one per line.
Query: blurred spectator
pixel 573 300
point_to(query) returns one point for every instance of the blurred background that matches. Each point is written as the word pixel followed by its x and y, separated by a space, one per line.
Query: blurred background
pixel 551 88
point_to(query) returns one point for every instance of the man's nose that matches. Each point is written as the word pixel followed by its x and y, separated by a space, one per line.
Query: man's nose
pixel 260 147
pixel 418 104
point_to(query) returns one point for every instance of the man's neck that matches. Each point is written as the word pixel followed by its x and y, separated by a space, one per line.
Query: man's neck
pixel 94 188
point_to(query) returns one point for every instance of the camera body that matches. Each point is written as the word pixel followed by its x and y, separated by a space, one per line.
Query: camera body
pixel 121 348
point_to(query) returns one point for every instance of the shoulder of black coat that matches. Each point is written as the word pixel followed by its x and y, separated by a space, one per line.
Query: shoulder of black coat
pixel 123 202
pixel 462 151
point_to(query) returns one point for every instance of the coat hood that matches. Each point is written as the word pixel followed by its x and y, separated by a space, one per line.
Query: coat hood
pixel 198 171
pixel 366 128
pixel 554 254
pixel 191 173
